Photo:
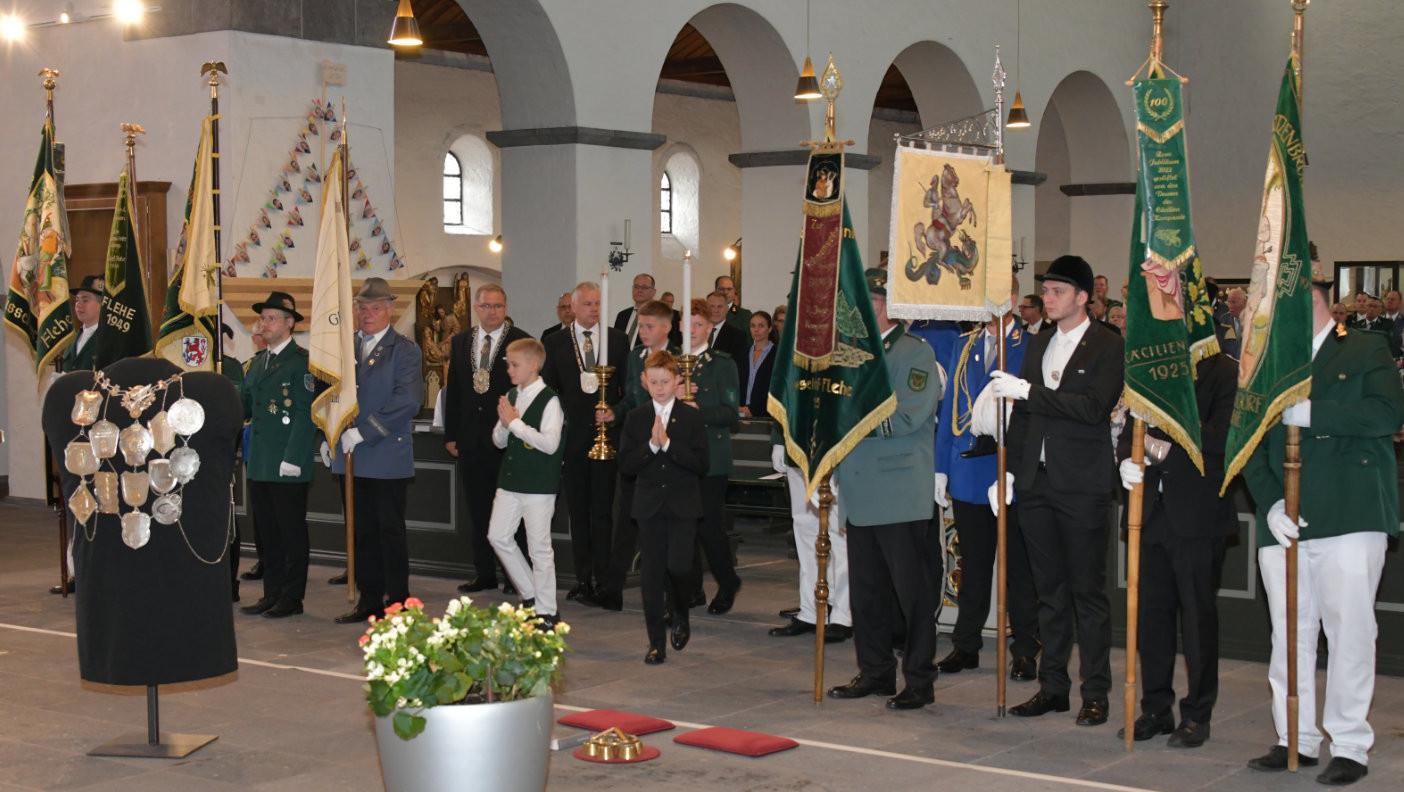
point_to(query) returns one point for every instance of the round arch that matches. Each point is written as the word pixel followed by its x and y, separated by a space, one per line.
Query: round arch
pixel 533 78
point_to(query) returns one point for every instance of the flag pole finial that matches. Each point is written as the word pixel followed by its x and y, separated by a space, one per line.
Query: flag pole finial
pixel 213 69
pixel 131 131
pixel 1158 8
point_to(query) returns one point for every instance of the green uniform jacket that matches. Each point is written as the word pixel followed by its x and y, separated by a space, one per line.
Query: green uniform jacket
pixel 740 318
pixel 1349 477
pixel 886 478
pixel 634 392
pixel 73 360
pixel 278 406
pixel 718 398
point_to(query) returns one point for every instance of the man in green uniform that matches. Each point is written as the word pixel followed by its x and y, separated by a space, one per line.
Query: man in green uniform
pixel 87 309
pixel 278 403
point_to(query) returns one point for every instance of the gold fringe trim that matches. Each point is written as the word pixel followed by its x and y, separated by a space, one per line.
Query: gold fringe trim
pixel 1160 137
pixel 1185 255
pixel 829 209
pixel 1201 349
pixel 835 455
pixel 320 403
pixel 1292 395
pixel 814 364
pixel 1153 415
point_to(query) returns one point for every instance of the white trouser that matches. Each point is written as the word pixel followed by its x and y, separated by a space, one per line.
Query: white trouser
pixel 537 581
pixel 805 515
pixel 1336 582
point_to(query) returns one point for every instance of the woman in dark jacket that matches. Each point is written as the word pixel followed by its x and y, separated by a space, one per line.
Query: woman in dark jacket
pixel 756 368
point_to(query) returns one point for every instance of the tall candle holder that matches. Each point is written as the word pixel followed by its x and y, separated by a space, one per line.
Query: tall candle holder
pixel 686 363
pixel 602 450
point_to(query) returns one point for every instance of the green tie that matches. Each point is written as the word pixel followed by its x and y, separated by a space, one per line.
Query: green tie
pixel 589 351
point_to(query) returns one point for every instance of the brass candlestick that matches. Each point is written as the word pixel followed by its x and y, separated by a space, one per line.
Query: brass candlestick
pixel 686 363
pixel 602 450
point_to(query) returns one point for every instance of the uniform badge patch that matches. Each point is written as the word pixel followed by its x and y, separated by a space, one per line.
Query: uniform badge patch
pixel 916 379
pixel 309 382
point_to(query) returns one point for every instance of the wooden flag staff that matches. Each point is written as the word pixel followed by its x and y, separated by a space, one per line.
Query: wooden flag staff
pixel 53 485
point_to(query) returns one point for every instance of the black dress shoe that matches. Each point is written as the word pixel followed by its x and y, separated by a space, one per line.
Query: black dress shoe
pixel 1341 771
pixel 72 587
pixel 1149 726
pixel 255 572
pixel 958 661
pixel 284 609
pixel 549 620
pixel 609 600
pixel 264 603
pixel 726 597
pixel 682 631
pixel 795 627
pixel 359 615
pixel 337 580
pixel 1275 760
pixel 578 590
pixel 509 589
pixel 668 616
pixel 475 585
pixel 656 656
pixel 1041 704
pixel 788 612
pixel 833 633
pixel 699 598
pixel 861 686
pixel 912 698
pixel 1093 712
pixel 1024 669
pixel 1189 734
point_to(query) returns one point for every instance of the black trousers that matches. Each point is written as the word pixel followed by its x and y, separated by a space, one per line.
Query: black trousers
pixel 1066 538
pixel 978 533
pixel 589 487
pixel 624 543
pixel 666 544
pixel 382 555
pixel 1179 577
pixel 479 477
pixel 711 535
pixel 890 590
pixel 280 510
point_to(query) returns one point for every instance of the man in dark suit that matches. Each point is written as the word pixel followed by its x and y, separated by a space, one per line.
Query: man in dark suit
pixel 726 336
pixel 1031 313
pixel 1184 527
pixel 735 315
pixel 1230 328
pixel 664 445
pixel 627 320
pixel 477 378
pixel 564 316
pixel 571 357
pixel 1062 470
pixel 389 392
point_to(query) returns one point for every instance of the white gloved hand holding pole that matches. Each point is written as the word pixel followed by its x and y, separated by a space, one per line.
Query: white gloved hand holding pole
pixel 1008 493
pixel 1131 474
pixel 1281 525
pixel 350 439
pixel 326 454
pixel 942 499
pixel 777 458
pixel 1007 386
pixel 1298 414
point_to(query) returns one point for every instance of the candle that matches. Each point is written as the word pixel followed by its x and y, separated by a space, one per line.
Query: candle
pixel 604 311
pixel 626 233
pixel 687 303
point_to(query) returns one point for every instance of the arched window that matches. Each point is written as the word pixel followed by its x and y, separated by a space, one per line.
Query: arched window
pixel 453 191
pixel 665 203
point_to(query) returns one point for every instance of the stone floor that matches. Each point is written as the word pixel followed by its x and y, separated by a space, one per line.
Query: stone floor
pixel 293 716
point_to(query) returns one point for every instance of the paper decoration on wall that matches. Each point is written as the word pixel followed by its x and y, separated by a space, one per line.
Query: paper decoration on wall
pixel 304 196
pixel 253 238
pixel 295 217
pixel 274 202
pixel 241 253
pixel 288 240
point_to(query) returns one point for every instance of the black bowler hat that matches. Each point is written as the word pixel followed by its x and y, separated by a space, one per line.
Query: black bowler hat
pixel 92 284
pixel 282 301
pixel 877 280
pixel 1070 269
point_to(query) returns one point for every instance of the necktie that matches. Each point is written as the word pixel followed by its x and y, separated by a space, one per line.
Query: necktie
pixel 712 339
pixel 268 360
pixel 485 357
pixel 633 325
pixel 364 350
pixel 589 350
pixel 991 354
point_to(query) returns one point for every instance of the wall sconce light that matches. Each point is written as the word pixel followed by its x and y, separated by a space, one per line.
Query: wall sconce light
pixel 496 244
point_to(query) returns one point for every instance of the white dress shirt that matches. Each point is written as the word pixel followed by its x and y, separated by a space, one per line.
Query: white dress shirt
pixel 1060 350
pixel 594 340
pixel 369 343
pixel 662 411
pixel 1320 338
pixel 496 337
pixel 548 437
pixel 84 336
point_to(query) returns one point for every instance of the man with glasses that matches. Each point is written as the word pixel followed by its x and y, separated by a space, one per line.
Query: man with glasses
pixel 627 320
pixel 1031 311
pixel 564 316
pixel 736 316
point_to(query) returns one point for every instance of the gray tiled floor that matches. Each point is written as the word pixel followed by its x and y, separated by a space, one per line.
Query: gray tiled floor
pixel 293 716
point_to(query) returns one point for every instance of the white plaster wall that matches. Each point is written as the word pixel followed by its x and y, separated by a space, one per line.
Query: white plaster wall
pixel 882 143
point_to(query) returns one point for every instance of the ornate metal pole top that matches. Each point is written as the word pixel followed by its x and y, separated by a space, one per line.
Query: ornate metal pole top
pixel 131 131
pixel 213 69
pixel 829 86
pixel 997 79
pixel 50 79
pixel 1157 8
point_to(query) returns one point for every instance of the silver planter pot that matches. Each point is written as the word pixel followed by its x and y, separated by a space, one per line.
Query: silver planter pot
pixel 502 746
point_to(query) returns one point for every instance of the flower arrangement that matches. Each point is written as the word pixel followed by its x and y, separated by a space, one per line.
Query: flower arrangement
pixel 469 656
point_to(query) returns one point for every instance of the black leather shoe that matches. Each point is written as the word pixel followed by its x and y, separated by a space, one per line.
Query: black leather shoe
pixel 1275 760
pixel 72 587
pixel 1024 669
pixel 1189 734
pixel 264 603
pixel 359 615
pixel 610 600
pixel 833 633
pixel 682 631
pixel 475 585
pixel 1093 712
pixel 668 616
pixel 726 597
pixel 795 627
pixel 789 612
pixel 1149 726
pixel 337 580
pixel 656 656
pixel 283 610
pixel 255 572
pixel 509 589
pixel 1041 704
pixel 699 598
pixel 577 590
pixel 957 661
pixel 911 698
pixel 1341 771
pixel 549 620
pixel 860 686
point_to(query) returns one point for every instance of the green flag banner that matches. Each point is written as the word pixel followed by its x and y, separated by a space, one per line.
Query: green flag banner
pixel 38 304
pixel 1274 368
pixel 830 385
pixel 188 327
pixel 125 327
pixel 1169 324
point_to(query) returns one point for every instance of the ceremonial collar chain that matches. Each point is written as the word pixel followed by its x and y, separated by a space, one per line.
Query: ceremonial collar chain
pixel 98 441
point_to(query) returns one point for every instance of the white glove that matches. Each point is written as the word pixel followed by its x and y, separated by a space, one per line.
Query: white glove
pixel 350 439
pixel 1156 450
pixel 1281 527
pixel 984 415
pixel 942 499
pixel 288 470
pixel 1008 493
pixel 1131 474
pixel 777 458
pixel 1298 414
pixel 326 454
pixel 1008 386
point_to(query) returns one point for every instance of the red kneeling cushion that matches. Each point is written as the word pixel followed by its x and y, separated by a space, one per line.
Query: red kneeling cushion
pixel 603 719
pixel 736 741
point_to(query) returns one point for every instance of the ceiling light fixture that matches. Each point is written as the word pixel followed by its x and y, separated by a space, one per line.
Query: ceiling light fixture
pixel 808 86
pixel 1018 118
pixel 128 12
pixel 405 31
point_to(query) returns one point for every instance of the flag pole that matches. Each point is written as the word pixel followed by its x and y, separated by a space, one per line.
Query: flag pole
pixel 1292 471
pixel 1001 458
pixel 131 131
pixel 53 486
pixel 214 69
pixel 349 491
pixel 822 545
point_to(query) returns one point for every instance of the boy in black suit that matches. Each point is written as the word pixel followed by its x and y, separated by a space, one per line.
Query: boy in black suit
pixel 666 449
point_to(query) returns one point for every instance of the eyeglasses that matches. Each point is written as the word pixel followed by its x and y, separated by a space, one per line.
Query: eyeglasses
pixel 491 306
pixel 642 286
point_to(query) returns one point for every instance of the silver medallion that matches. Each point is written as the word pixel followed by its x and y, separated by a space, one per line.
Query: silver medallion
pixel 82 503
pixel 87 405
pixel 104 437
pixel 105 487
pixel 286 420
pixel 135 442
pixel 162 479
pixel 589 382
pixel 79 459
pixel 134 488
pixel 185 463
pixel 162 435
pixel 136 529
pixel 186 416
pixel 482 378
pixel 166 509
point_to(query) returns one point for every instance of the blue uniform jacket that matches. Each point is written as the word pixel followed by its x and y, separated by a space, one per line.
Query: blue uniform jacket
pixel 389 392
pixel 970 477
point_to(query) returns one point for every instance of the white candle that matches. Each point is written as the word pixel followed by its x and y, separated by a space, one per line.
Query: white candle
pixel 626 233
pixel 604 312
pixel 687 303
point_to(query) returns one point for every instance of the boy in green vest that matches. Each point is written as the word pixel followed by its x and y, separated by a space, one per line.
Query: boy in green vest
pixel 530 424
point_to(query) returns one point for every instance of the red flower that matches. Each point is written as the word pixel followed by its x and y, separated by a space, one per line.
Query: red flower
pixel 413 602
pixel 394 608
pixel 363 640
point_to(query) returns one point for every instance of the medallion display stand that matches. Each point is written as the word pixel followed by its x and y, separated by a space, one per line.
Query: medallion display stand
pixel 155 745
